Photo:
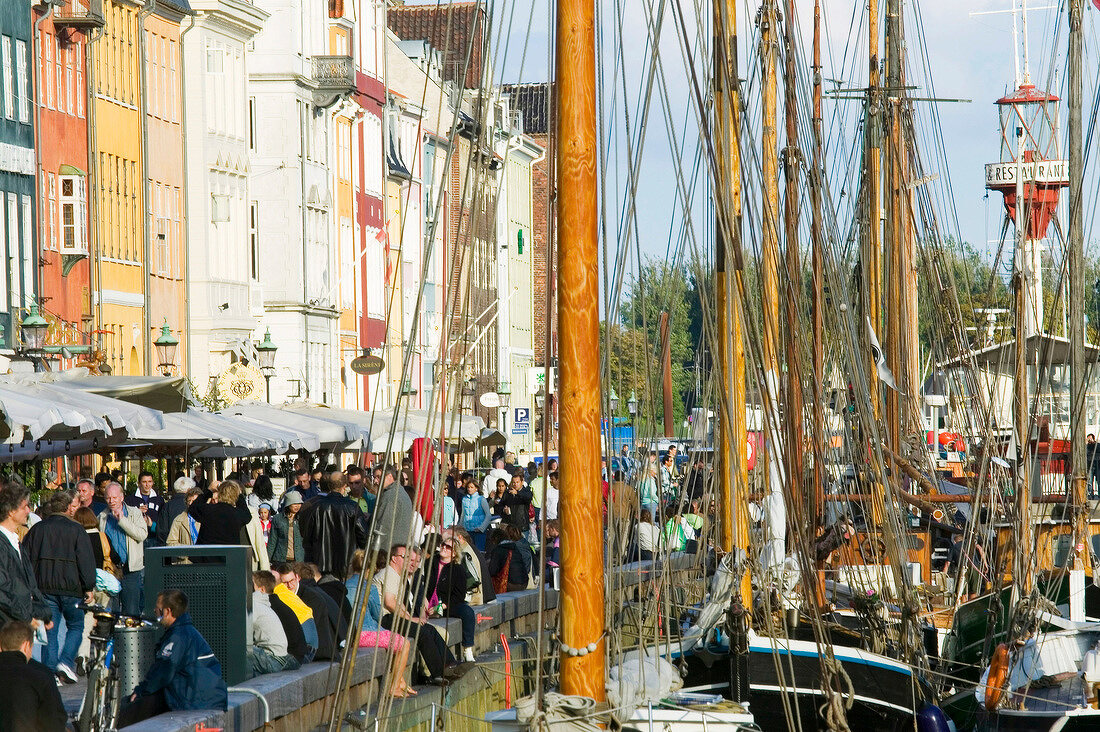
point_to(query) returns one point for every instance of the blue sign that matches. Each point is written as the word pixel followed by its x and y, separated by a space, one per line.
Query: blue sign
pixel 522 422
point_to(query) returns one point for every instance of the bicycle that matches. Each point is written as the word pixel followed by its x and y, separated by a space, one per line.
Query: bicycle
pixel 99 710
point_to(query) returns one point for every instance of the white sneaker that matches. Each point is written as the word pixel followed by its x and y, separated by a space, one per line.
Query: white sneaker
pixel 66 673
pixel 468 654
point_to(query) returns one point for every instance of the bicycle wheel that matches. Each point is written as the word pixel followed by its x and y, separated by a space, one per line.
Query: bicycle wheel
pixel 92 709
pixel 111 699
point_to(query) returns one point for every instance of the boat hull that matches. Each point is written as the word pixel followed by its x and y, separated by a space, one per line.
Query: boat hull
pixel 787 674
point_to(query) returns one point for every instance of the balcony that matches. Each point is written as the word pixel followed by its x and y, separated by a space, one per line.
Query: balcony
pixel 334 77
pixel 82 14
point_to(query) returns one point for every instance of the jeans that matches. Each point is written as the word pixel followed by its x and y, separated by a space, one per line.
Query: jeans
pixel 132 597
pixel 469 622
pixel 263 661
pixel 63 606
pixel 479 540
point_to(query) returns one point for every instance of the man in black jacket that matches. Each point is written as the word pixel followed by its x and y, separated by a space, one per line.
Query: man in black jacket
pixel 20 598
pixel 64 566
pixel 333 527
pixel 29 700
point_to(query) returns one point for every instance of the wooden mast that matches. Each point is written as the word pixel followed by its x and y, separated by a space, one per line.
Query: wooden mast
pixel 1078 467
pixel 582 593
pixel 817 509
pixel 769 246
pixel 870 257
pixel 1024 542
pixel 895 271
pixel 792 158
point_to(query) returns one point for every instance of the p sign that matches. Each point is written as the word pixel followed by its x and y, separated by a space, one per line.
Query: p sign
pixel 522 422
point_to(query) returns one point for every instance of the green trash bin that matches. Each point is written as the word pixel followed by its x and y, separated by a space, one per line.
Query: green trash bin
pixel 218 583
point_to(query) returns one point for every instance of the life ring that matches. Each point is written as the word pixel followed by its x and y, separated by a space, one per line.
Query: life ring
pixel 998 675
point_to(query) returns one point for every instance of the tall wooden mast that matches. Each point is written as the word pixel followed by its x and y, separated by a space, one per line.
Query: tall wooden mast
pixel 1024 541
pixel 899 262
pixel 582 595
pixel 1078 467
pixel 792 158
pixel 870 256
pixel 768 19
pixel 818 245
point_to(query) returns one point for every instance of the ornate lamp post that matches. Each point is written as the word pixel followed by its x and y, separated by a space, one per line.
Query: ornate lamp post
pixel 265 355
pixel 166 345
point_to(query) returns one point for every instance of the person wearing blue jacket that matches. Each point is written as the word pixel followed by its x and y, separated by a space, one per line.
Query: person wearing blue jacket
pixel 184 675
pixel 476 515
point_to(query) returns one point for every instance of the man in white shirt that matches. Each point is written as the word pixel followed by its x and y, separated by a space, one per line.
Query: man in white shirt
pixel 20 598
pixel 552 497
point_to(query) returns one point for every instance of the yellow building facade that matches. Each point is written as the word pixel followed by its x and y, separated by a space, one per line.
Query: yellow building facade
pixel 138 264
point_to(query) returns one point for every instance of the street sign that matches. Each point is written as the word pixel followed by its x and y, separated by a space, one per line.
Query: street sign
pixel 490 400
pixel 521 425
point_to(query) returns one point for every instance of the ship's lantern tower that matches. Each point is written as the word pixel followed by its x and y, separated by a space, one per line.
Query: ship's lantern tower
pixel 1031 169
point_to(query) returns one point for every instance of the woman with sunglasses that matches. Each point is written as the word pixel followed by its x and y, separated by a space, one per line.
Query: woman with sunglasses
pixel 446 592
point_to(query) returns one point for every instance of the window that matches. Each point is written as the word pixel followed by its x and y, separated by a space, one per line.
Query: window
pixel 59 77
pixel 78 62
pixel 70 106
pixel 45 94
pixel 252 123
pixel 13 249
pixel 74 236
pixel 9 91
pixel 254 238
pixel 51 213
pixel 30 256
pixel 23 88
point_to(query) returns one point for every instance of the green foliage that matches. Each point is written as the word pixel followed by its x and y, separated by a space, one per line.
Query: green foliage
pixel 634 357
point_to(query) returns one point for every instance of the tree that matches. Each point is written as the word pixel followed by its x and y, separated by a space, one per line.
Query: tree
pixel 636 344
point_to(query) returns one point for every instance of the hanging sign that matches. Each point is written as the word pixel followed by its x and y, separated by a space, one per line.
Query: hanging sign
pixel 240 382
pixel 367 365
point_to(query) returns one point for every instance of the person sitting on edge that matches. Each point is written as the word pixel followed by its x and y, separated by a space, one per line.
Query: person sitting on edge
pixel 184 675
pixel 264 582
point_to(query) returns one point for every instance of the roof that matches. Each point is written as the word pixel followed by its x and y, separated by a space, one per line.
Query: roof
pixel 536 102
pixel 1050 351
pixel 455 30
pixel 1025 94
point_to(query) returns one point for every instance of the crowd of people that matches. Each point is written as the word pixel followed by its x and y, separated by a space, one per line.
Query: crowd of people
pixel 332 538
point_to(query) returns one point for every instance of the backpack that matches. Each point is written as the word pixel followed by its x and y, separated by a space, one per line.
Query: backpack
pixel 500 579
pixel 472 572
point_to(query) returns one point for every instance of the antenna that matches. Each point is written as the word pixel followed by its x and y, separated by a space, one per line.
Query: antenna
pixel 1023 28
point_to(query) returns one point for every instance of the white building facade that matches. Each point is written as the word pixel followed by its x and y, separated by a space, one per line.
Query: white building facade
pixel 223 258
pixel 293 81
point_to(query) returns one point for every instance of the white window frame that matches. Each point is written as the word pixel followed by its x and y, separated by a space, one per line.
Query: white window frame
pixel 30 255
pixel 77 202
pixel 254 240
pixel 45 95
pixel 9 86
pixel 51 217
pixel 13 250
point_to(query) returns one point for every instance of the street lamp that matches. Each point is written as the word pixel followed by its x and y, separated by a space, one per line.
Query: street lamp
pixel 166 349
pixel 614 402
pixel 265 355
pixel 34 328
pixel 540 397
pixel 469 391
pixel 632 405
pixel 505 394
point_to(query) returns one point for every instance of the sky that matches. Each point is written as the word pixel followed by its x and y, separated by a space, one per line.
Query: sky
pixel 970 55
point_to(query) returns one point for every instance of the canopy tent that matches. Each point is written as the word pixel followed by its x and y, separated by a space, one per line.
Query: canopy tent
pixel 331 431
pixel 411 422
pixel 164 393
pixel 53 414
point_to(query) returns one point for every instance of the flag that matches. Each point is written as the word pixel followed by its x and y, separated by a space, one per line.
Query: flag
pixel 884 373
pixel 1096 3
